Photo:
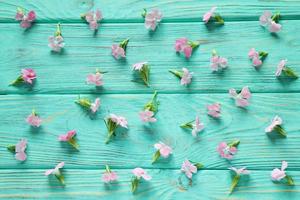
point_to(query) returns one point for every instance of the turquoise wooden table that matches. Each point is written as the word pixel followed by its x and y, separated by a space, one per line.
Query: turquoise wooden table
pixel 61 78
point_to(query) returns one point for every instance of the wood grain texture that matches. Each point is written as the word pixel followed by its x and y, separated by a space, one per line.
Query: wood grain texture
pixel 66 73
pixel 165 185
pixel 130 10
pixel 135 147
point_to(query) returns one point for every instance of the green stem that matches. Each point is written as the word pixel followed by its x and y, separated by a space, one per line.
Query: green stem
pixel 124 44
pixel 155 156
pixel 280 130
pixel 58 30
pixel 290 180
pixel 144 13
pixel 276 17
pixel 176 73
pixel 73 143
pixel 234 183
pixel 234 143
pixel 219 19
pixel 17 81
pixel 289 72
pixel 11 148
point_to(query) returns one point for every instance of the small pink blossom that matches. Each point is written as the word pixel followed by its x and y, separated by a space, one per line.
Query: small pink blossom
pixel 55 171
pixel 197 127
pixel 20 150
pixel 28 75
pixel 34 120
pixel 95 79
pixel 185 46
pixel 253 53
pixel 214 110
pixel 209 14
pixel 267 21
pixel 139 66
pixel 93 18
pixel 119 120
pixel 117 51
pixel 226 151
pixel 280 67
pixel 139 172
pixel 26 20
pixel 109 177
pixel 241 171
pixel 147 116
pixel 276 121
pixel 278 174
pixel 164 149
pixel 95 106
pixel 188 168
pixel 186 77
pixel 152 19
pixel 217 62
pixel 274 27
pixel 180 44
pixel 68 136
pixel 56 43
pixel 256 62
pixel 241 99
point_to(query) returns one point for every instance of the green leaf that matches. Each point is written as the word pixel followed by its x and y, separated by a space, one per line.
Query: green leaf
pixel 134 184
pixel 84 102
pixel 290 180
pixel 276 17
pixel 234 143
pixel 290 72
pixel 263 55
pixel 187 125
pixel 60 178
pixel 234 183
pixel 144 13
pixel 16 82
pixel 124 44
pixel 194 44
pixel 155 156
pixel 73 143
pixel 219 19
pixel 11 148
pixel 280 130
pixel 177 73
pixel 145 74
pixel 199 165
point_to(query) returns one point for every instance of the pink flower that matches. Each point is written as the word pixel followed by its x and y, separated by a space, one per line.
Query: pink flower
pixel 278 174
pixel 95 106
pixel 276 121
pixel 185 46
pixel 188 168
pixel 214 110
pixel 180 44
pixel 68 136
pixel 139 66
pixel 267 21
pixel 209 14
pixel 34 120
pixel 253 53
pixel 26 21
pixel 186 77
pixel 28 75
pixel 139 172
pixel 241 99
pixel 240 171
pixel 117 51
pixel 197 127
pixel 109 177
pixel 256 62
pixel 147 116
pixel 226 151
pixel 152 19
pixel 274 27
pixel 95 79
pixel 119 120
pixel 20 150
pixel 280 67
pixel 55 171
pixel 56 43
pixel 92 18
pixel 164 149
pixel 217 62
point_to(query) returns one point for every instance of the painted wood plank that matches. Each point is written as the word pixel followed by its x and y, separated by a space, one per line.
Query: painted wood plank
pixel 130 10
pixel 166 184
pixel 85 52
pixel 135 147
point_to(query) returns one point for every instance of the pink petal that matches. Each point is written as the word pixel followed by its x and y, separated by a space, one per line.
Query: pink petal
pixel 274 27
pixel 241 102
pixel 25 24
pixel 31 16
pixel 232 92
pixel 187 51
pixel 21 156
pixel 246 93
pixel 48 172
pixel 265 18
pixel 284 165
pixel 277 174
pixel 256 62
